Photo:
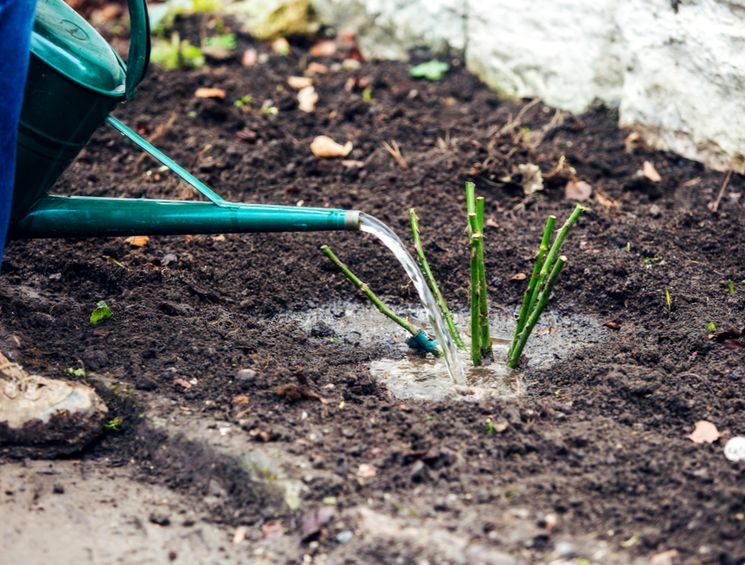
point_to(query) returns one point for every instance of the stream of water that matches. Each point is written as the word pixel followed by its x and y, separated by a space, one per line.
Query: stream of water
pixel 388 237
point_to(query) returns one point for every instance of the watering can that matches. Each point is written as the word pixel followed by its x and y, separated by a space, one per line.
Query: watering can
pixel 75 80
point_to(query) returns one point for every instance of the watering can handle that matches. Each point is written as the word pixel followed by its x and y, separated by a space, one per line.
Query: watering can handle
pixel 139 45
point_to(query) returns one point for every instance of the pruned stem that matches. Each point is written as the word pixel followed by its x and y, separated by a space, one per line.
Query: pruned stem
pixel 475 287
pixel 379 304
pixel 536 313
pixel 542 249
pixel 485 333
pixel 431 279
pixel 548 264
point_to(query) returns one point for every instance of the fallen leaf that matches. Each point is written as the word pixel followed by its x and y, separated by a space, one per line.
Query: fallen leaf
pixel 605 201
pixel 366 471
pixel 577 190
pixel 183 383
pixel 650 172
pixel 323 48
pixel 209 92
pixel 612 325
pixel 518 277
pixel 312 522
pixel 430 70
pixel 241 399
pixel 298 83
pixel 325 147
pixel 307 99
pixel 281 47
pixel 293 392
pixel 704 432
pixel 137 240
pixel 532 179
pixel 249 57
pixel 316 68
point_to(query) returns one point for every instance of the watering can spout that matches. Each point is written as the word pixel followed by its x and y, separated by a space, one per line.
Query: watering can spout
pixel 80 216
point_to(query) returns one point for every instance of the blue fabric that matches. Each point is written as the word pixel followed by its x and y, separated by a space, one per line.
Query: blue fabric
pixel 16 20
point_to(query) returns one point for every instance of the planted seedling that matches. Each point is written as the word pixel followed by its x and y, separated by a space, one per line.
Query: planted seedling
pixel 101 313
pixel 418 340
pixel 224 41
pixel 177 54
pixel 431 70
pixel 668 300
pixel 546 270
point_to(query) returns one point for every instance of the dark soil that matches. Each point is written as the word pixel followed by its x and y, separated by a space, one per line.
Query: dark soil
pixel 598 440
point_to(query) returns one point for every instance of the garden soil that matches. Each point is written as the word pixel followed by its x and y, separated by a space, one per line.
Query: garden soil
pixel 277 445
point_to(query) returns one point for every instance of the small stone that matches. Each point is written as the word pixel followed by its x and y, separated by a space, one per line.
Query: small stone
pixel 655 211
pixel 245 376
pixel 419 472
pixel 565 549
pixel 160 519
pixel 344 537
pixel 167 259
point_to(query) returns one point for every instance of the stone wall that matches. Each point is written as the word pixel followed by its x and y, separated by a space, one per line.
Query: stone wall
pixel 674 68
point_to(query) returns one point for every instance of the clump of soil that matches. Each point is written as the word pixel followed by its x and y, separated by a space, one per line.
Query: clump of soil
pixel 599 444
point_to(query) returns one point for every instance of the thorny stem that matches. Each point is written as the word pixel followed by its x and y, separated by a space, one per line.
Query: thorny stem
pixel 536 313
pixel 405 324
pixel 485 334
pixel 431 279
pixel 542 249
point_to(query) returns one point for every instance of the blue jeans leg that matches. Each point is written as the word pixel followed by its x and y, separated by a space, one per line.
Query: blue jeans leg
pixel 16 20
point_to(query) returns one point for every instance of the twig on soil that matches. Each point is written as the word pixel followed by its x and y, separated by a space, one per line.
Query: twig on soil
pixel 714 206
pixel 395 152
pixel 419 334
pixel 431 279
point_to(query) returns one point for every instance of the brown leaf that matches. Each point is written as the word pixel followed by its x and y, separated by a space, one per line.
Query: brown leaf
pixel 241 399
pixel 605 201
pixel 650 172
pixel 577 190
pixel 316 68
pixel 293 392
pixel 532 179
pixel 325 147
pixel 323 48
pixel 183 383
pixel 137 240
pixel 704 432
pixel 298 83
pixel 612 325
pixel 249 57
pixel 307 99
pixel 518 277
pixel 209 92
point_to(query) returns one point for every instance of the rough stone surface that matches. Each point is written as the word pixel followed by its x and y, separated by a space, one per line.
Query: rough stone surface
pixel 674 69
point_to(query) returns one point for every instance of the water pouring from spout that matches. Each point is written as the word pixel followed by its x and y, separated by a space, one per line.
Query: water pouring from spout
pixel 388 237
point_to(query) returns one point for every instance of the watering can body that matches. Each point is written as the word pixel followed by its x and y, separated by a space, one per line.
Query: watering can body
pixel 75 80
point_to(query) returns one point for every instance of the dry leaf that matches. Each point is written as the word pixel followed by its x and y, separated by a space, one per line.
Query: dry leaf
pixel 293 392
pixel 704 432
pixel 307 99
pixel 298 83
pixel 650 172
pixel 316 68
pixel 518 277
pixel 612 325
pixel 137 240
pixel 631 141
pixel 249 57
pixel 208 92
pixel 241 399
pixel 323 48
pixel 366 471
pixel 532 178
pixel 605 201
pixel 183 383
pixel 325 147
pixel 577 190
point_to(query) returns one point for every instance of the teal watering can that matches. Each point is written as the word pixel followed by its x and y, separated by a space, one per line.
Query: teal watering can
pixel 75 80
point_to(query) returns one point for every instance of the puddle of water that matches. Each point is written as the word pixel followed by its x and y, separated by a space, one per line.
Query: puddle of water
pixel 409 376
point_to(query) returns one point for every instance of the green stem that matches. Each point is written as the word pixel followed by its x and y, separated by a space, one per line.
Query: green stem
pixel 405 324
pixel 475 302
pixel 542 249
pixel 485 333
pixel 431 279
pixel 470 198
pixel 548 264
pixel 536 313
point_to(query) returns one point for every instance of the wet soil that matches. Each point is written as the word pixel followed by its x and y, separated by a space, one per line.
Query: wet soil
pixel 596 449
